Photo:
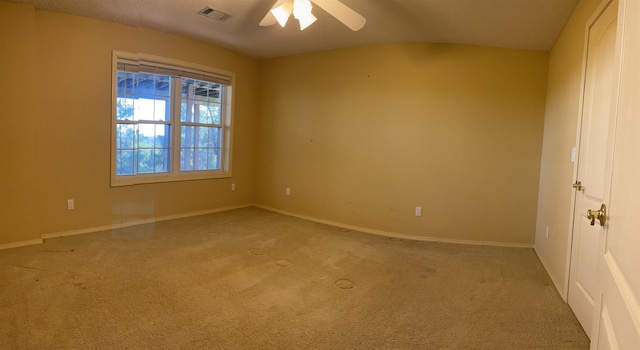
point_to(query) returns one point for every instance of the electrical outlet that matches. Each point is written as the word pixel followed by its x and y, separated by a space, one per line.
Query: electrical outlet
pixel 287 191
pixel 70 204
pixel 546 232
pixel 418 211
pixel 233 187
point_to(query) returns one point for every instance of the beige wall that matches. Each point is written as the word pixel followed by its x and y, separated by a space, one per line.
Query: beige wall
pixel 19 205
pixel 560 130
pixel 363 136
pixel 55 137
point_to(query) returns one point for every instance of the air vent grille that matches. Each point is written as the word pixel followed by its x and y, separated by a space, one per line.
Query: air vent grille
pixel 215 14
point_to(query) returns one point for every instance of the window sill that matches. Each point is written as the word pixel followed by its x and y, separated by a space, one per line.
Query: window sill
pixel 124 180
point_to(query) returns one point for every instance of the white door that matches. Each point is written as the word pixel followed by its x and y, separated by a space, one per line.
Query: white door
pixel 616 322
pixel 594 162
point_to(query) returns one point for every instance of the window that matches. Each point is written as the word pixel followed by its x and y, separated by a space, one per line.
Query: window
pixel 171 121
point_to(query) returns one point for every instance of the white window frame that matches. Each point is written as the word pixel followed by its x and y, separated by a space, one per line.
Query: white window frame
pixel 174 174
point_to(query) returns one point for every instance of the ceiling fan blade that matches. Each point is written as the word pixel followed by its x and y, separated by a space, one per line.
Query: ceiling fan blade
pixel 342 13
pixel 269 19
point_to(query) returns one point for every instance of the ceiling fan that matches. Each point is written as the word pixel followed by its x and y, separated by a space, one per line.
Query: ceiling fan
pixel 301 10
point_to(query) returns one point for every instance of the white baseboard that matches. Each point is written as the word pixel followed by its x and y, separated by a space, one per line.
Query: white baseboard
pixel 20 244
pixel 305 217
pixel 138 222
pixel 395 234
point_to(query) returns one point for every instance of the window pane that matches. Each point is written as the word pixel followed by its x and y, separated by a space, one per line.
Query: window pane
pixel 186 159
pixel 215 136
pixel 214 159
pixel 143 148
pixel 214 92
pixel 186 111
pixel 201 159
pixel 161 111
pixel 202 137
pixel 143 84
pixel 163 136
pixel 187 136
pixel 145 161
pixel 203 114
pixel 207 137
pixel 163 85
pixel 151 109
pixel 125 83
pixel 143 109
pixel 124 108
pixel 187 140
pixel 124 162
pixel 214 110
pixel 146 135
pixel 161 160
pixel 143 96
pixel 200 102
pixel 200 148
pixel 153 140
pixel 125 136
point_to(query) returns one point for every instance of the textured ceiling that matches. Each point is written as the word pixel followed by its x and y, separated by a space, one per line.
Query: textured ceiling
pixel 519 24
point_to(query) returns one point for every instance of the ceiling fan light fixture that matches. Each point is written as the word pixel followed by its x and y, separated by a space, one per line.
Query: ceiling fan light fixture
pixel 306 20
pixel 302 12
pixel 301 9
pixel 282 13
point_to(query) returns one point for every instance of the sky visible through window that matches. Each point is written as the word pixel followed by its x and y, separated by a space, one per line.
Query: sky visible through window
pixel 143 108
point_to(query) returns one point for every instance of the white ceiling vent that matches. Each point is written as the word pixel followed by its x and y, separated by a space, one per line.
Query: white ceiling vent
pixel 215 14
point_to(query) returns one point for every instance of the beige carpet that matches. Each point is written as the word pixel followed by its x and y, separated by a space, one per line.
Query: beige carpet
pixel 253 279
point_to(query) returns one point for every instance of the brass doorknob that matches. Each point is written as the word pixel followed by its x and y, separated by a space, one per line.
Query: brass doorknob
pixel 601 215
pixel 578 186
